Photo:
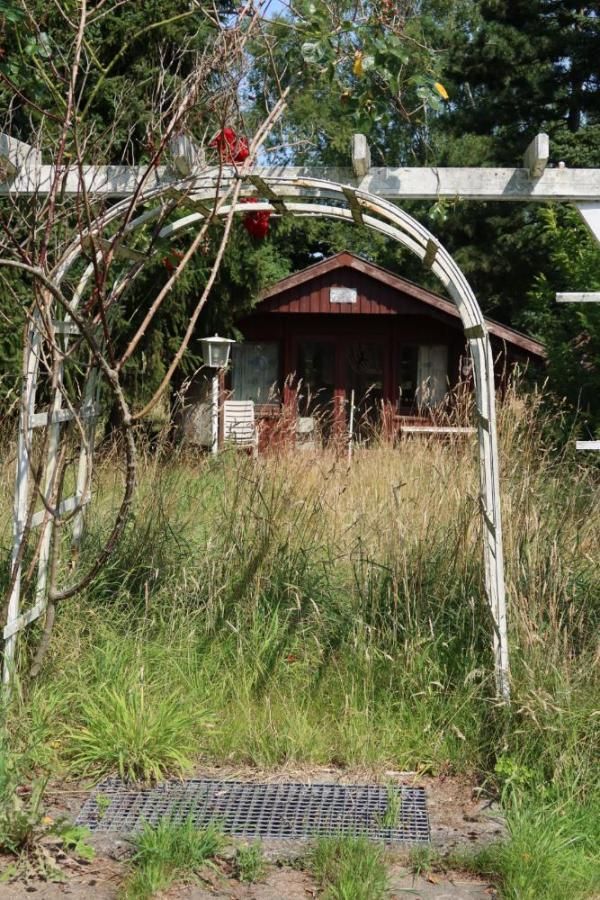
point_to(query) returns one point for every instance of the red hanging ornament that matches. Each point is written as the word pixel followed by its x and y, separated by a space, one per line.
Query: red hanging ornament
pixel 170 262
pixel 232 149
pixel 256 223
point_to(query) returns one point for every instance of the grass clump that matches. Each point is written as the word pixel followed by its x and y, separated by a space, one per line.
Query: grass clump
pixel 249 863
pixel 349 869
pixel 552 851
pixel 142 738
pixel 169 852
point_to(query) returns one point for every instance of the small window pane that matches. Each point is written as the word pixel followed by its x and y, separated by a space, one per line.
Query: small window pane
pixel 432 375
pixel 408 364
pixel 255 372
pixel 316 375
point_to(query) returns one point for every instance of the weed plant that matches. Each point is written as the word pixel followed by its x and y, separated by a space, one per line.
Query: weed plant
pixel 300 609
pixel 249 863
pixel 169 852
pixel 349 869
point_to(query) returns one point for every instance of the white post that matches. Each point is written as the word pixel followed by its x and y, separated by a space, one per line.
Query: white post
pixel 493 555
pixel 21 497
pixel 351 427
pixel 215 413
pixel 537 156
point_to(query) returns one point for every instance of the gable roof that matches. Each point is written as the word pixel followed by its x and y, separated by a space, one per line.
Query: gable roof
pixel 345 259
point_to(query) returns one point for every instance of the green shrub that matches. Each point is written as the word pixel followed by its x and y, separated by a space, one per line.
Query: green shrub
pixel 553 850
pixel 21 811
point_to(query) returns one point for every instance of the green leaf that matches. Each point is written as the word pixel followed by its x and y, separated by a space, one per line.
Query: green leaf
pixel 11 12
pixel 312 52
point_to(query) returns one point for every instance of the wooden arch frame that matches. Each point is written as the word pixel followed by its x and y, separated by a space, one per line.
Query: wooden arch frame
pixel 297 195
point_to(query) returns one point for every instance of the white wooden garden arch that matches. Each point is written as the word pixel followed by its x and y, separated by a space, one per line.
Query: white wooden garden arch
pixel 349 196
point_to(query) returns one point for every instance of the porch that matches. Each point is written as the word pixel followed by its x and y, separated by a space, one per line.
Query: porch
pixel 317 378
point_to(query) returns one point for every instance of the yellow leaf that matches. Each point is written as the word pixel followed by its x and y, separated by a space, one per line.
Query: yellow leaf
pixel 47 820
pixel 441 90
pixel 357 68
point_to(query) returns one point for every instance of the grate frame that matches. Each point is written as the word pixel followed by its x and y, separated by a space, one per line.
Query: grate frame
pixel 273 811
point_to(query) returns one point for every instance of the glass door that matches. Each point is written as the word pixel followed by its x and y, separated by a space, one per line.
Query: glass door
pixel 364 384
pixel 316 371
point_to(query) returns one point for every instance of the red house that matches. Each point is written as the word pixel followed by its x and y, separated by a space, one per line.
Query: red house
pixel 344 335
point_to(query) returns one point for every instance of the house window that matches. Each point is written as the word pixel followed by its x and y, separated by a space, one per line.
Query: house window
pixel 422 375
pixel 316 375
pixel 432 375
pixel 255 372
pixel 408 367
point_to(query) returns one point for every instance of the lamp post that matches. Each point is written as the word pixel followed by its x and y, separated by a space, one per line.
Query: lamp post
pixel 215 352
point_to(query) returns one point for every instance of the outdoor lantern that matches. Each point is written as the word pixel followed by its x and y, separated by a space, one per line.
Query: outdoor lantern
pixel 215 351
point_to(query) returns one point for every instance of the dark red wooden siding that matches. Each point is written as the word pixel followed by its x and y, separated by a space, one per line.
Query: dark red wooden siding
pixel 312 297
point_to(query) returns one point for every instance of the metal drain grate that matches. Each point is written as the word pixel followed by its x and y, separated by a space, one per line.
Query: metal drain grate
pixel 275 811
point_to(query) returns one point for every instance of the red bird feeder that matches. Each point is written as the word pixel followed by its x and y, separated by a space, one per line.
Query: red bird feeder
pixel 232 149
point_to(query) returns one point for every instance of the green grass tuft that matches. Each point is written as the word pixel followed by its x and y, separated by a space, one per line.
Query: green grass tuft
pixel 349 869
pixel 169 852
pixel 553 850
pixel 142 738
pixel 249 863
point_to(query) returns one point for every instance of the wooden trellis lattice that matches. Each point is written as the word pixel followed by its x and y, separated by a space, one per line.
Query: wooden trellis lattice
pixel 361 196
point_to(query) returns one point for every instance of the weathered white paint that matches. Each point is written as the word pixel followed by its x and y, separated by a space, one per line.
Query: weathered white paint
pixel 411 183
pixel 590 213
pixel 214 414
pixel 537 155
pixel 239 424
pixel 588 445
pixel 15 156
pixel 186 156
pixel 21 497
pixel 342 295
pixel 120 250
pixel 579 297
pixel 438 429
pixel 64 507
pixel 361 155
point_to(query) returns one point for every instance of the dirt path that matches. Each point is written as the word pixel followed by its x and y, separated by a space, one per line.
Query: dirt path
pixel 459 818
pixel 102 879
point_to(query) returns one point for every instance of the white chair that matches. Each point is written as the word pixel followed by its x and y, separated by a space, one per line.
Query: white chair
pixel 239 424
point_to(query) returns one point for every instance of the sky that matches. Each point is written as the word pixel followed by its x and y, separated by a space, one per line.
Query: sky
pixel 275 7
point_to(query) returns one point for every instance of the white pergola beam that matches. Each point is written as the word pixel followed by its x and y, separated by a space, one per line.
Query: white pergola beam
pixel 581 186
pixel 590 213
pixel 361 155
pixel 579 297
pixel 537 155
pixel 15 156
pixel 120 250
pixel 186 157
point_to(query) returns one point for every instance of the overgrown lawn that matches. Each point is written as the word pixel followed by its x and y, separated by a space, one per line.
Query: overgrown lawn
pixel 301 609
